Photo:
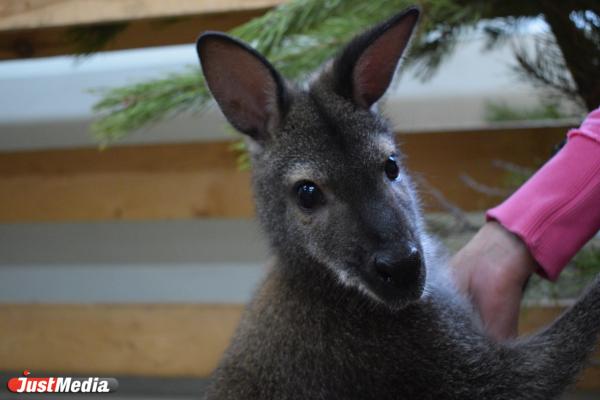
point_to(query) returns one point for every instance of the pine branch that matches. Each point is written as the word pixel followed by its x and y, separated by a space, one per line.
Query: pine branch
pixel 544 66
pixel 300 34
pixel 129 108
pixel 296 36
pixel 90 39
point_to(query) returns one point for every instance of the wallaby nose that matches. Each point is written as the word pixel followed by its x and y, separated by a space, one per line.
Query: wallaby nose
pixel 402 271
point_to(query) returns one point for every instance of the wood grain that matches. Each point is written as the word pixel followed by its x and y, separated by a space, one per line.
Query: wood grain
pixel 55 41
pixel 133 183
pixel 127 339
pixel 37 14
pixel 195 180
pixel 43 28
pixel 443 157
pixel 163 340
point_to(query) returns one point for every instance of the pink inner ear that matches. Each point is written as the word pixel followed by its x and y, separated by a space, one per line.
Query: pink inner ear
pixel 241 84
pixel 375 68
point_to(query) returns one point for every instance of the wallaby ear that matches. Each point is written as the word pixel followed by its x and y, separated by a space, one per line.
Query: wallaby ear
pixel 365 68
pixel 247 88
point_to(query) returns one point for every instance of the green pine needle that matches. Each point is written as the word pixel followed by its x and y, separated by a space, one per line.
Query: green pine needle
pixel 129 108
pixel 296 36
pixel 299 35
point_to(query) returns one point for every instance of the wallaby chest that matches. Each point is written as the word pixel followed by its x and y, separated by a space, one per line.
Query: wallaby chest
pixel 295 346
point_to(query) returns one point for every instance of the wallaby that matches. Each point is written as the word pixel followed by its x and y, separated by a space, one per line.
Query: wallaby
pixel 359 303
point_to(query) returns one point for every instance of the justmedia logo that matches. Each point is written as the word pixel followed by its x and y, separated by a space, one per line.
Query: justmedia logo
pixel 61 384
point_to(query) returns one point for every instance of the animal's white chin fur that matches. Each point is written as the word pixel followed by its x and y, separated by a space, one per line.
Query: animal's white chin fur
pixel 346 280
pixel 351 281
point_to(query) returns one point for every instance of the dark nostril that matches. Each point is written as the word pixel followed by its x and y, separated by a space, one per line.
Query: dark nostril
pixel 403 272
pixel 384 271
pixel 384 275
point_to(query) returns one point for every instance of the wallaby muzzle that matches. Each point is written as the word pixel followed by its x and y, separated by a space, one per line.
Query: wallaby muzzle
pixel 396 275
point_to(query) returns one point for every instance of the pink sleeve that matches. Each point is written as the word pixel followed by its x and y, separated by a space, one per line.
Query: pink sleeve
pixel 558 209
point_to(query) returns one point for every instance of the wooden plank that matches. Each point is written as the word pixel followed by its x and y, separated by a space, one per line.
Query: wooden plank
pixel 442 157
pixel 142 33
pixel 174 340
pixel 130 182
pixel 128 339
pixel 37 14
pixel 201 179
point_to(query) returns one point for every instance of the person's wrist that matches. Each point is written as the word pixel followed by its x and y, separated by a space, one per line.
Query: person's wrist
pixel 502 255
pixel 505 242
pixel 506 251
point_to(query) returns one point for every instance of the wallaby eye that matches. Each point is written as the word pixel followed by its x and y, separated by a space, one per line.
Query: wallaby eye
pixel 308 195
pixel 391 168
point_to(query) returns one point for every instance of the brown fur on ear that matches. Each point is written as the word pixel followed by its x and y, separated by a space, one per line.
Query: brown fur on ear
pixel 365 68
pixel 247 88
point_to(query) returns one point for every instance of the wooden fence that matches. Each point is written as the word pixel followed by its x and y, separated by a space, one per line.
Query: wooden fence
pixel 197 180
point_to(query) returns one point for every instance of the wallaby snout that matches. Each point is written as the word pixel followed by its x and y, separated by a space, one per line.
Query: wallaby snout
pixel 397 275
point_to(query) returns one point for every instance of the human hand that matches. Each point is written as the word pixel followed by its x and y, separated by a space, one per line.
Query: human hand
pixel 493 269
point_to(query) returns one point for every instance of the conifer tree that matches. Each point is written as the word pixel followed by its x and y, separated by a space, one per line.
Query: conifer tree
pixel 300 34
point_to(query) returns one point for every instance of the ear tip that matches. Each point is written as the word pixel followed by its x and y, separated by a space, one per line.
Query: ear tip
pixel 409 17
pixel 208 36
pixel 414 11
pixel 209 39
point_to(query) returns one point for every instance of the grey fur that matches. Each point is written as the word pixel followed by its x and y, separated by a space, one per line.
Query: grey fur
pixel 315 328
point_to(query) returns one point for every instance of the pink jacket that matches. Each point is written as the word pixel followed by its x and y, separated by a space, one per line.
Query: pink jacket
pixel 558 209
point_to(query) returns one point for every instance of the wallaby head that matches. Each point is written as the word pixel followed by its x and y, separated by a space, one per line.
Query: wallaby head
pixel 329 183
